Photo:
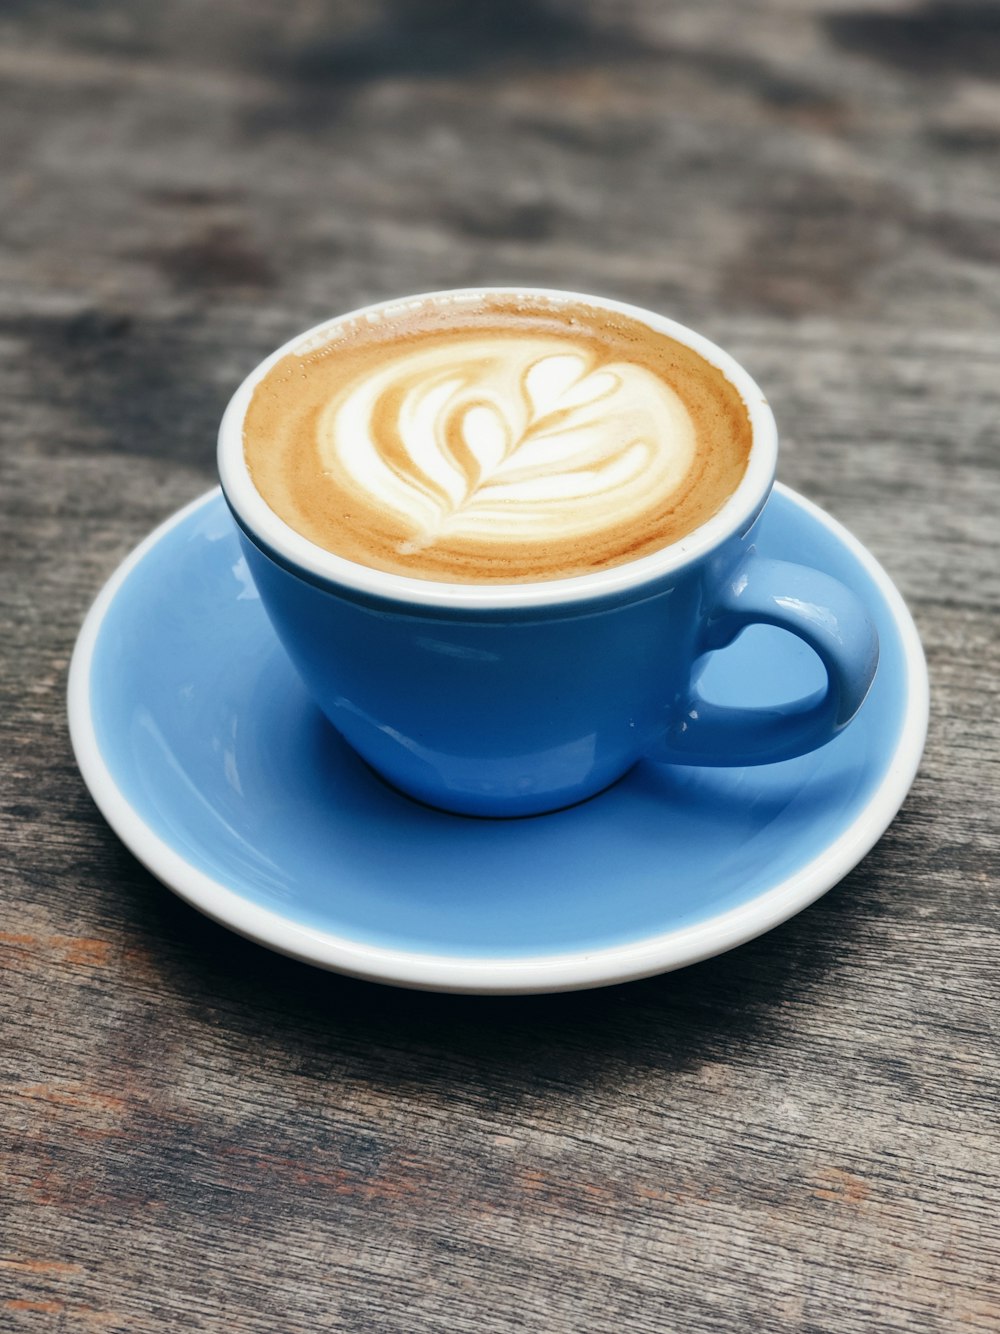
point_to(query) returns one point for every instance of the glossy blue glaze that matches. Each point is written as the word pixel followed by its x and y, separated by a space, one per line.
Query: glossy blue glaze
pixel 520 710
pixel 212 740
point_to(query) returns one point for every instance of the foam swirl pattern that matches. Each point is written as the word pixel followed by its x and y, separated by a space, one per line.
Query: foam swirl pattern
pixel 507 440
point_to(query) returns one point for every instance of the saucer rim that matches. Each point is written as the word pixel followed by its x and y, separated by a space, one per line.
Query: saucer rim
pixel 521 974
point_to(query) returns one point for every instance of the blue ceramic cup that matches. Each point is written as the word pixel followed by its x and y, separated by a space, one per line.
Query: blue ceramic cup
pixel 508 700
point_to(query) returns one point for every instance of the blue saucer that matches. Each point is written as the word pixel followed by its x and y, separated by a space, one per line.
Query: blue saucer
pixel 206 756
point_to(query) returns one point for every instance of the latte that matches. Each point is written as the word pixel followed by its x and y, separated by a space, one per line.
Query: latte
pixel 477 437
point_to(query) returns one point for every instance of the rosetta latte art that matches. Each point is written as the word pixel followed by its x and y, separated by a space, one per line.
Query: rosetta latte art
pixel 506 439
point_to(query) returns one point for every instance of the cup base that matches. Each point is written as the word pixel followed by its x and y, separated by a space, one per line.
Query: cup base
pixel 466 808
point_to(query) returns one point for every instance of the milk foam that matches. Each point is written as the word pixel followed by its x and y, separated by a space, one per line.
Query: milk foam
pixel 503 439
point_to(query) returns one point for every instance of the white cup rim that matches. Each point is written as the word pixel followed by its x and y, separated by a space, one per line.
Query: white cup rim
pixel 735 516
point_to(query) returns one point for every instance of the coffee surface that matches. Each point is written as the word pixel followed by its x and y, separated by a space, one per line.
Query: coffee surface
pixel 494 438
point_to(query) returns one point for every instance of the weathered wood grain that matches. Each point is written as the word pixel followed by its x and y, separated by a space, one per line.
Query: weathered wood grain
pixel 800 1136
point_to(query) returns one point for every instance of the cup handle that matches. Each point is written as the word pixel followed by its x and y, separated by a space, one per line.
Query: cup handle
pixel 820 611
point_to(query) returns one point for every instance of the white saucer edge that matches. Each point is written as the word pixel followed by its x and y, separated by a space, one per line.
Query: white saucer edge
pixel 516 975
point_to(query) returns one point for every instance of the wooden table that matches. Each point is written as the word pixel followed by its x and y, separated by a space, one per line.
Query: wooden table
pixel 798 1136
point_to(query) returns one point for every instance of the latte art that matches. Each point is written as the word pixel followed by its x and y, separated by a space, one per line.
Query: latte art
pixel 506 439
pixel 494 438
